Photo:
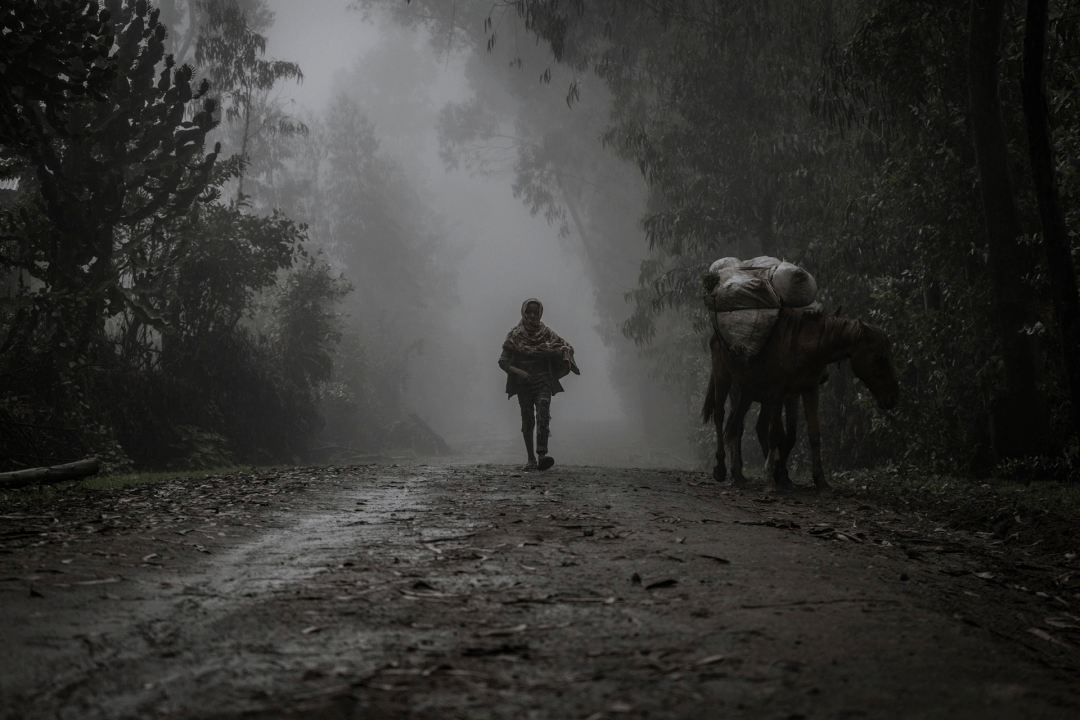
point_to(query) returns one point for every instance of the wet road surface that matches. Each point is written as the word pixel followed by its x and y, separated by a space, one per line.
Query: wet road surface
pixel 477 591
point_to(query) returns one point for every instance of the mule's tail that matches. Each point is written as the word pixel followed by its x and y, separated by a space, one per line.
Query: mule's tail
pixel 710 401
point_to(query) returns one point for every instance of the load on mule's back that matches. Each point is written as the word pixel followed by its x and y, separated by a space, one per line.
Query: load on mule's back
pixel 771 343
pixel 746 297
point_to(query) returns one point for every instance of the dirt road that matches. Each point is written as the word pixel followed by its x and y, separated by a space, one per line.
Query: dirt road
pixel 476 591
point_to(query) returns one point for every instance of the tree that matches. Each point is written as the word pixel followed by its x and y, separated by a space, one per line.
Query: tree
pixel 180 37
pixel 1022 420
pixel 306 327
pixel 231 50
pixel 55 54
pixel 373 224
pixel 109 145
pixel 1055 231
pixel 129 158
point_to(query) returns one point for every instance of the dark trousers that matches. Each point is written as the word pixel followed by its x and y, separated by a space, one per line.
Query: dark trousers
pixel 535 403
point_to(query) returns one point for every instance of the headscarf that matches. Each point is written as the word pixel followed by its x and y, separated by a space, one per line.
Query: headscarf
pixel 531 337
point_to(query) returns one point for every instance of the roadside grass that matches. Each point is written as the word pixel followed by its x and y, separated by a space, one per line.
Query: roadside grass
pixel 1046 513
pixel 909 486
pixel 40 496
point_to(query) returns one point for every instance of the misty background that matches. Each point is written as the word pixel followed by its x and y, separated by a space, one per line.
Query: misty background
pixel 495 251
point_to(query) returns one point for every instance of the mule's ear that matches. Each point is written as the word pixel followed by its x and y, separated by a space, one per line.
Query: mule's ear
pixel 838 309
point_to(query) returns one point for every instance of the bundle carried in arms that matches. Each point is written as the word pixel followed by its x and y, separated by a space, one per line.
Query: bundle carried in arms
pixel 745 297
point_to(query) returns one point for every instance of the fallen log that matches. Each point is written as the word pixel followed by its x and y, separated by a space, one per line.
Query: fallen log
pixel 49 475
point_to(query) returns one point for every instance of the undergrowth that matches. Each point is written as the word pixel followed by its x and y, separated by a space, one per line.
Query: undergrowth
pixel 1039 513
pixel 41 496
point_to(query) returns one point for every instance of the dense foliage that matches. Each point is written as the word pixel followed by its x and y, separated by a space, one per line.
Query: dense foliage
pixel 143 319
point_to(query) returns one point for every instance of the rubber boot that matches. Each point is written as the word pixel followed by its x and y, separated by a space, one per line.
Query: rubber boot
pixel 546 461
pixel 531 464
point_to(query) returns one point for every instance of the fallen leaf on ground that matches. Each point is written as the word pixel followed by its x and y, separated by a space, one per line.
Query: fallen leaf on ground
pixel 710 660
pixel 502 632
pixel 102 581
pixel 662 584
pixel 1040 633
pixel 339 689
pixel 434 595
pixel 606 601
pixel 504 649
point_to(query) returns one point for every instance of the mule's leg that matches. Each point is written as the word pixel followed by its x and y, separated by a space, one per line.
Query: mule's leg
pixel 720 393
pixel 733 432
pixel 813 432
pixel 761 428
pixel 791 408
pixel 773 465
pixel 715 398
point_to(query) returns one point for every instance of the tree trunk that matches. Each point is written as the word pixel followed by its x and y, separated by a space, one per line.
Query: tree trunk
pixel 768 232
pixel 47 475
pixel 1021 422
pixel 569 199
pixel 1055 233
pixel 243 146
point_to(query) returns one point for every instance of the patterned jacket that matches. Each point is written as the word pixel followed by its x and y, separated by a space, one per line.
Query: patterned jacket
pixel 552 364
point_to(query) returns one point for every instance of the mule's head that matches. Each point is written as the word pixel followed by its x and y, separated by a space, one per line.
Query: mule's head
pixel 872 363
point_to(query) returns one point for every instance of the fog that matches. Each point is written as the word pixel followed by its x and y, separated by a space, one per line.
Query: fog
pixel 499 255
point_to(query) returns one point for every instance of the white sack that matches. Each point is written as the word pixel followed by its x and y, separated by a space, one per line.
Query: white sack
pixel 761 262
pixel 795 286
pixel 748 295
pixel 742 289
pixel 746 331
pixel 725 264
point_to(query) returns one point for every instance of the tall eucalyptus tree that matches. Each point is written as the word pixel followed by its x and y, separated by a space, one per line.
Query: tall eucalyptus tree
pixel 1055 230
pixel 230 50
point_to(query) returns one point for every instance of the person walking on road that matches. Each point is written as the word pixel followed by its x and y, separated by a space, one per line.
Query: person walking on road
pixel 534 358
